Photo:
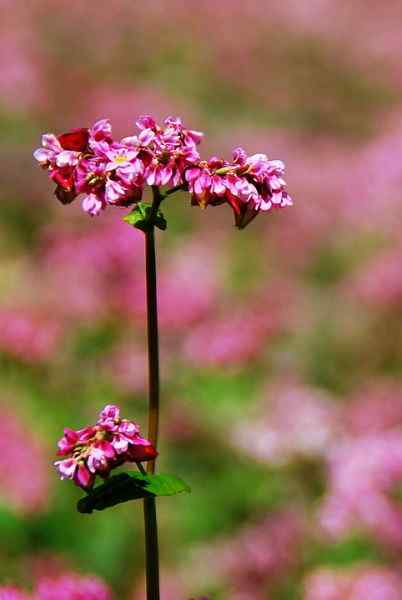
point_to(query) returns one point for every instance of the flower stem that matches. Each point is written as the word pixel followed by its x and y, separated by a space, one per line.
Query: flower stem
pixel 153 343
pixel 151 527
pixel 151 549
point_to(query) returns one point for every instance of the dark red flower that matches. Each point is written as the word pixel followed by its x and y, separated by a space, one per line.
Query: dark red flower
pixel 76 140
pixel 64 177
pixel 139 453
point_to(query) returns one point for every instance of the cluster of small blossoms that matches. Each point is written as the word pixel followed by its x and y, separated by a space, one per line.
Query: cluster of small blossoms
pixel 96 450
pixel 108 172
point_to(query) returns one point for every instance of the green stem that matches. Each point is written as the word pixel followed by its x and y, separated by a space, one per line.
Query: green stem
pixel 151 527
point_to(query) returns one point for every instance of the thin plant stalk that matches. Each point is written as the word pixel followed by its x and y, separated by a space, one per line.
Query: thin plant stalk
pixel 150 521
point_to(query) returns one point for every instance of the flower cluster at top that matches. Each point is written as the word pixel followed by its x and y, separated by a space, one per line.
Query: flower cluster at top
pixel 96 450
pixel 109 172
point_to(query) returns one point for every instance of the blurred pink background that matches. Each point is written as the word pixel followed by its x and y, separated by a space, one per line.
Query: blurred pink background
pixel 281 344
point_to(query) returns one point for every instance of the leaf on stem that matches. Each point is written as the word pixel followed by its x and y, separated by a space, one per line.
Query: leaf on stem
pixel 142 217
pixel 130 486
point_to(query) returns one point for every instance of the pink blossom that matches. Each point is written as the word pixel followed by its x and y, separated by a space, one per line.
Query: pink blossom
pixel 89 161
pixel 90 174
pixel 97 449
pixel 101 131
pixel 248 184
pixel 93 204
pixel 115 192
pixel 120 156
pixel 110 413
pixel 67 443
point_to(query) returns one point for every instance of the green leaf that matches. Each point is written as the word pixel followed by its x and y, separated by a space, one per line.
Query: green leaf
pixel 162 485
pixel 130 486
pixel 140 217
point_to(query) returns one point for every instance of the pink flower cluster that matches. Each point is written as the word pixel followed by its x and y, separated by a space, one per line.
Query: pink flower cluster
pixel 96 450
pixel 108 172
pixel 63 587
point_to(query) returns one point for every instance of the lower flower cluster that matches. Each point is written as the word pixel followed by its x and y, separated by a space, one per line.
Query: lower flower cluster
pixel 110 172
pixel 96 450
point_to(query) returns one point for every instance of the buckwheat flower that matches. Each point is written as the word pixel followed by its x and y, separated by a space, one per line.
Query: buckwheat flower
pixel 90 174
pixel 90 162
pixel 51 147
pixel 68 441
pixel 93 204
pixel 267 175
pixel 75 140
pixel 248 184
pixel 101 130
pixel 175 130
pixel 96 450
pixel 115 192
pixel 173 150
pixel 110 412
pixel 60 155
pixel 77 470
pixel 145 122
pixel 100 456
pixel 205 184
pixel 67 158
pixel 120 157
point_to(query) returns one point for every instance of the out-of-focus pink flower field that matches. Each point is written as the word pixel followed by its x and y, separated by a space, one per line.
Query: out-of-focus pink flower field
pixel 281 344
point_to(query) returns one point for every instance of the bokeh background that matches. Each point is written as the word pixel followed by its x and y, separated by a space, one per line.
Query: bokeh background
pixel 281 344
